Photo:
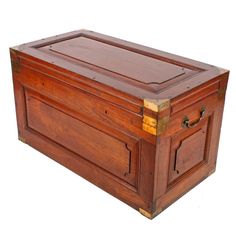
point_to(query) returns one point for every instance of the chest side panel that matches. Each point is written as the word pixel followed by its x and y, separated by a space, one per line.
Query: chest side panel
pixel 187 150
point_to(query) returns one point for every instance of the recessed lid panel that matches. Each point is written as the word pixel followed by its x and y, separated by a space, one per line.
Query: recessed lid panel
pixel 132 65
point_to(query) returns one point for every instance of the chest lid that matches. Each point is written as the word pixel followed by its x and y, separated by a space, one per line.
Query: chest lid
pixel 125 67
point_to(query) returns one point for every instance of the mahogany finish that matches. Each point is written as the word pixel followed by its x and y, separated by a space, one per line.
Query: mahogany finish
pixel 115 113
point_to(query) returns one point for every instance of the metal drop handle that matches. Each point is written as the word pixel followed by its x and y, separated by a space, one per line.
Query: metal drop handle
pixel 186 123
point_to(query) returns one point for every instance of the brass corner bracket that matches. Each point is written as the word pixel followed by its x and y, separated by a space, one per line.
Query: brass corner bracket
pixel 21 139
pixel 145 213
pixel 156 105
pixel 150 124
pixel 148 214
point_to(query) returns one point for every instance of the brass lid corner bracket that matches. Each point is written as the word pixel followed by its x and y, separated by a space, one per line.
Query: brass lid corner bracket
pixel 155 125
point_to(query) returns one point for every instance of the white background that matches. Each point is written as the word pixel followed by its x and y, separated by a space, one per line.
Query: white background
pixel 40 197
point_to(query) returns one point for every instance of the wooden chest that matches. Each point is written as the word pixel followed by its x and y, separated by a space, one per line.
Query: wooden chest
pixel 139 123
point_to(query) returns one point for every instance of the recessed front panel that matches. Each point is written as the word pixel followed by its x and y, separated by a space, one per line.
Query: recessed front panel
pixel 99 110
pixel 105 151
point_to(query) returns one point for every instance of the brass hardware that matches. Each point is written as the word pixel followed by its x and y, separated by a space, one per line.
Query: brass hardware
pixel 21 139
pixel 156 105
pixel 162 124
pixel 150 121
pixel 145 213
pixel 149 129
pixel 163 104
pixel 150 124
pixel 186 122
pixel 158 211
pixel 148 214
pixel 15 65
pixel 153 126
pixel 150 104
pixel 212 171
